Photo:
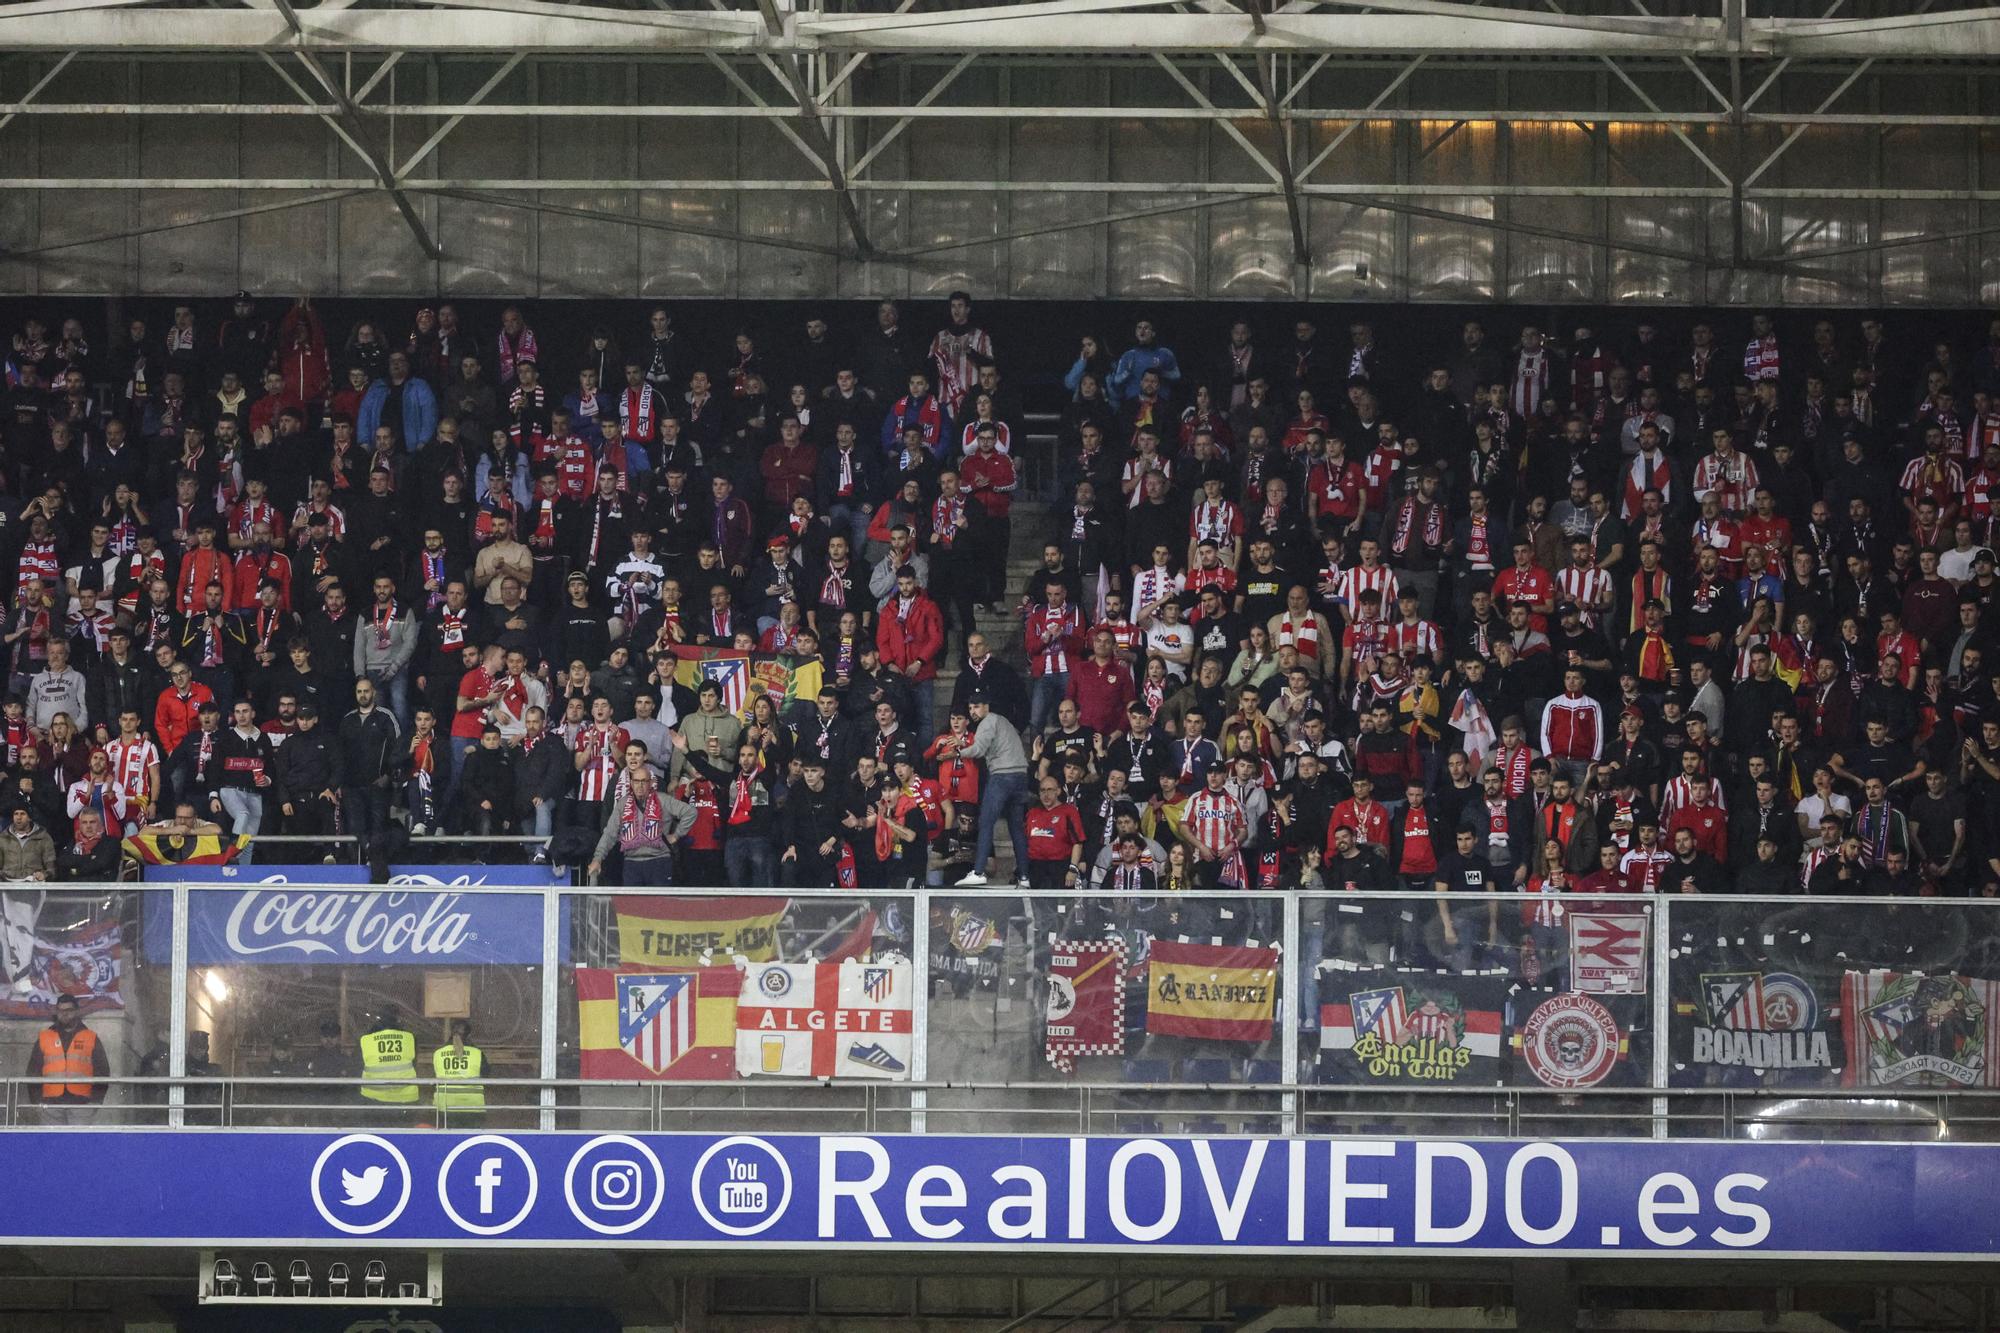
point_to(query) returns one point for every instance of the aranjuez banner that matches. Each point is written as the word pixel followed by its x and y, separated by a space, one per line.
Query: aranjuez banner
pixel 1585 1197
pixel 330 914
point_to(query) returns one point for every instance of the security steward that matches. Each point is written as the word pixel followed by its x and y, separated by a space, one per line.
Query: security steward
pixel 389 1061
pixel 69 1055
pixel 459 1059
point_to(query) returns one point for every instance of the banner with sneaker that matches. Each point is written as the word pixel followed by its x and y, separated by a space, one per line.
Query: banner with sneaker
pixel 825 1020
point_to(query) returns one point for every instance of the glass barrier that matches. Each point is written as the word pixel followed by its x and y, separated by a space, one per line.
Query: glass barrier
pixel 1105 988
pixel 996 1011
pixel 762 993
pixel 1408 1002
pixel 1895 1000
pixel 318 986
pixel 95 946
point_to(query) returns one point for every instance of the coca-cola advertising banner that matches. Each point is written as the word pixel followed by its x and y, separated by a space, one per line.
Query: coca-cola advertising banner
pixel 432 915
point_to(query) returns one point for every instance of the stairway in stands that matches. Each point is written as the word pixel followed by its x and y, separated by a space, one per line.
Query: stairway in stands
pixel 1003 636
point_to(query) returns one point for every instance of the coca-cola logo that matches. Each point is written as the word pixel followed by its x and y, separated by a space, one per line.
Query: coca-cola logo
pixel 312 922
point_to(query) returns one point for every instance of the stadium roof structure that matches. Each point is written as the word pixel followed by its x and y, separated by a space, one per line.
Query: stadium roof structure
pixel 1710 101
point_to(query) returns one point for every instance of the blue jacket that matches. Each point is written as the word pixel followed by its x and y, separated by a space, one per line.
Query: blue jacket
pixel 420 413
pixel 1135 363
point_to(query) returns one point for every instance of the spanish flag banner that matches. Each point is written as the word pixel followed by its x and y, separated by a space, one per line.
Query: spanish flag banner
pixel 657 1025
pixel 685 932
pixel 1211 992
pixel 175 849
pixel 742 676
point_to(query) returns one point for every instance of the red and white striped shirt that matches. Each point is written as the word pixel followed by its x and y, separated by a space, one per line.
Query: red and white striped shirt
pixel 1732 479
pixel 602 766
pixel 1641 869
pixel 130 762
pixel 1944 486
pixel 1359 579
pixel 1421 639
pixel 1216 521
pixel 1587 587
pixel 1680 792
pixel 1215 821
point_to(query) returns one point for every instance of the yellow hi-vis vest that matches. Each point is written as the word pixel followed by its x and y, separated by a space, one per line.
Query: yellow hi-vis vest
pixel 389 1056
pixel 448 1063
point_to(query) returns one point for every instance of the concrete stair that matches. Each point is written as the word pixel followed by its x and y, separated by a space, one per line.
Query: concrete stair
pixel 1003 635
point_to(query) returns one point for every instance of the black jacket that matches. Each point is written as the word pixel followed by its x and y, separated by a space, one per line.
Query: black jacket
pixel 367 746
pixel 548 771
pixel 112 689
pixel 308 762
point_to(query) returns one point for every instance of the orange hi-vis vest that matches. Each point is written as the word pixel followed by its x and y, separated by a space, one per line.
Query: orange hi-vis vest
pixel 65 1066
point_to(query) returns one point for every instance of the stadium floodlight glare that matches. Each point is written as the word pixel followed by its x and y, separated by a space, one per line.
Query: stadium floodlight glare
pixel 375 1278
pixel 302 1278
pixel 336 1279
pixel 223 1278
pixel 264 1278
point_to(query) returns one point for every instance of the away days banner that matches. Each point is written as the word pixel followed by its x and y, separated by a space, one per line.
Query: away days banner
pixel 424 915
pixel 1346 1195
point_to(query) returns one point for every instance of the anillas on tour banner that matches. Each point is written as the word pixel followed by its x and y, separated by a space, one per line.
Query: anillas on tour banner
pixel 1211 992
pixel 1382 1024
pixel 635 1023
pixel 684 932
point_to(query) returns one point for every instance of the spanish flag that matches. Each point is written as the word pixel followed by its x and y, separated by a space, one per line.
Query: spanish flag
pixel 1211 992
pixel 685 932
pixel 742 676
pixel 174 849
pixel 657 1025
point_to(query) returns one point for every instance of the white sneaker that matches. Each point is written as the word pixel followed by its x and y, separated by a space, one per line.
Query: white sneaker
pixel 326 860
pixel 1021 883
pixel 419 830
pixel 972 881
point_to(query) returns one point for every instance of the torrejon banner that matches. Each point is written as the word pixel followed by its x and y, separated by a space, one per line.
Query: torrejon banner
pixel 1599 1198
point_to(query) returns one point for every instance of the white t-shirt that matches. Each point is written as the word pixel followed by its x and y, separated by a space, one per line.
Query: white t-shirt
pixel 1816 808
pixel 1955 565
pixel 1163 638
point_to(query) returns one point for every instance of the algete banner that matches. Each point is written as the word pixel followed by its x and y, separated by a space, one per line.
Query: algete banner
pixel 1599 1198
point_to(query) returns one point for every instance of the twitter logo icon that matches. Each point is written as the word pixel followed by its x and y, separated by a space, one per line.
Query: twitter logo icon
pixel 360 1184
pixel 359 1191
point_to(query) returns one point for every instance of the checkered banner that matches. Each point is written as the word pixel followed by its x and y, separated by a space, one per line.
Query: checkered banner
pixel 1086 1001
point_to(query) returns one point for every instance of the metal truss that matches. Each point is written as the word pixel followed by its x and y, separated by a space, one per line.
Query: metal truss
pixel 1286 82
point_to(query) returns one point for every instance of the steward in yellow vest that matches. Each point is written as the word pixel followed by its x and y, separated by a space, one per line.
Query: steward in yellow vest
pixel 458 1060
pixel 388 1060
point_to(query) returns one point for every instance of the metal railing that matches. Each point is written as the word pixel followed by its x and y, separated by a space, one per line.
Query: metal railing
pixel 875 1106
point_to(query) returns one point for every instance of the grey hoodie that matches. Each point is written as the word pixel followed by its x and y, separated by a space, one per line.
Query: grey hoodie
pixel 372 660
pixel 52 692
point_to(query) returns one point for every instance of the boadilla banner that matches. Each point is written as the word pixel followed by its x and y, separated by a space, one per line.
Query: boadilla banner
pixel 1757 1021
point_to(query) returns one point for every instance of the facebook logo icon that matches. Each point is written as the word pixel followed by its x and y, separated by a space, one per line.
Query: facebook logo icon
pixel 487 1185
pixel 486 1182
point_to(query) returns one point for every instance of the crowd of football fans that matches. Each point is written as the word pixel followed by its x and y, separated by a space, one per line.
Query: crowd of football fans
pixel 1549 609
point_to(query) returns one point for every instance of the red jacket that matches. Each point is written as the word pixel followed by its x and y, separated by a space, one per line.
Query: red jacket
pixel 174 717
pixel 1709 826
pixel 917 638
pixel 1101 693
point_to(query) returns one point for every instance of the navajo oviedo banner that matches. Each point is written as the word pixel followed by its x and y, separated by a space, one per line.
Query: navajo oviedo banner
pixel 1588 1198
